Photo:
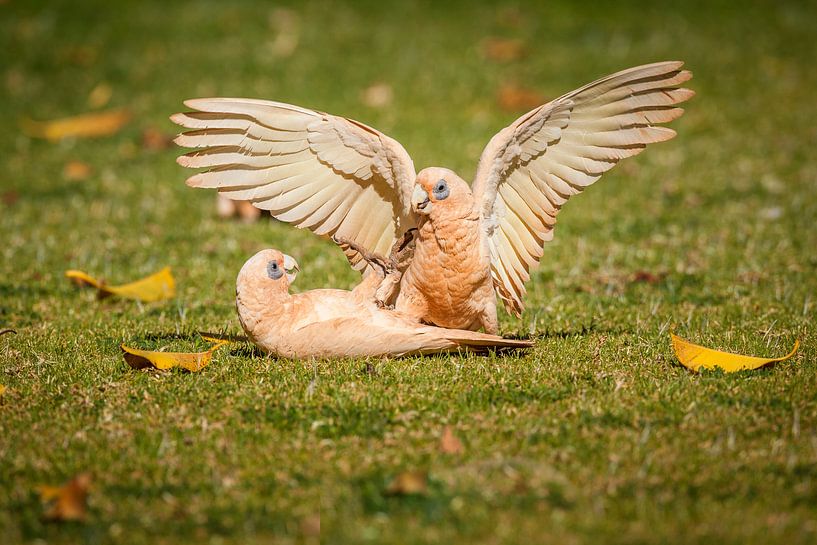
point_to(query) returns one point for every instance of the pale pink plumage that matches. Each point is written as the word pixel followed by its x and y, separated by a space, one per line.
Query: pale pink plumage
pixel 329 323
pixel 340 178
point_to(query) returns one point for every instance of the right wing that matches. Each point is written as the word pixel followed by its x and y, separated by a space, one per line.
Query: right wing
pixel 332 175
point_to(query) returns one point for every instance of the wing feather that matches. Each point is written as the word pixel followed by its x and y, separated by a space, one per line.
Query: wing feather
pixel 332 175
pixel 531 168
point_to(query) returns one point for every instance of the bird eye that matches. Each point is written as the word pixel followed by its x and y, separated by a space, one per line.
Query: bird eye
pixel 441 190
pixel 274 271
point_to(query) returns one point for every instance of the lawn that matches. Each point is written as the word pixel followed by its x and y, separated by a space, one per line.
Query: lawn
pixel 597 435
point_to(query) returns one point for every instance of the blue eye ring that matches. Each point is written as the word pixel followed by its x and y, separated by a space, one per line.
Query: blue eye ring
pixel 441 190
pixel 274 271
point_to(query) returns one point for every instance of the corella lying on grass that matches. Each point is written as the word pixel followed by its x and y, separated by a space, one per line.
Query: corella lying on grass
pixel 328 323
pixel 340 178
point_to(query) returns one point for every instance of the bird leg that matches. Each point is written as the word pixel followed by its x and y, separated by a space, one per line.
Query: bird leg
pixel 392 268
pixel 369 257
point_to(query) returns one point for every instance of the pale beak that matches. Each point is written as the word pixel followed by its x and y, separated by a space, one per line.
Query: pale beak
pixel 420 201
pixel 291 267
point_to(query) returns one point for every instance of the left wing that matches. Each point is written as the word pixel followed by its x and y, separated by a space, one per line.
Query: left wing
pixel 531 168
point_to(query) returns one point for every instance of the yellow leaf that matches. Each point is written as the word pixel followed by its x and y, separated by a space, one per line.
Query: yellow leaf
pixel 155 287
pixel 695 357
pixel 2 389
pixel 81 126
pixel 408 483
pixel 69 500
pixel 76 171
pixel 192 361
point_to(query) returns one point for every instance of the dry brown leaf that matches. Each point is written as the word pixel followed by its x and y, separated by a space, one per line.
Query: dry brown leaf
pixel 449 443
pixel 648 277
pixel 67 502
pixel 311 526
pixel 156 140
pixel 378 95
pixel 247 211
pixel 100 96
pixel 513 98
pixel 81 126
pixel 76 171
pixel 9 197
pixel 408 483
pixel 503 49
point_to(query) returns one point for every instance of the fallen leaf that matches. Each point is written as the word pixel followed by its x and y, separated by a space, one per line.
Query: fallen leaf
pixel 648 277
pixel 513 98
pixel 449 443
pixel 9 198
pixel 247 211
pixel 503 49
pixel 68 502
pixel 100 95
pixel 2 389
pixel 76 171
pixel 155 287
pixel 192 361
pixel 311 526
pixel 408 483
pixel 695 357
pixel 156 140
pixel 378 95
pixel 81 126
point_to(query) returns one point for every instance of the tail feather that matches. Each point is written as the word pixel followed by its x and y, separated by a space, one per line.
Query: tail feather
pixel 476 341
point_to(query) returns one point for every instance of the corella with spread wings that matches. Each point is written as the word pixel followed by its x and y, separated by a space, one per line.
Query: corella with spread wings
pixel 344 179
pixel 331 323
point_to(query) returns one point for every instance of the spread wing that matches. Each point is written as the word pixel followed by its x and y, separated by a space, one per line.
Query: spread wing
pixel 329 174
pixel 531 168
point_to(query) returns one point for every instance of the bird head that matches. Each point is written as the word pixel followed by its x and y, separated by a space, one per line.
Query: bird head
pixel 267 274
pixel 438 192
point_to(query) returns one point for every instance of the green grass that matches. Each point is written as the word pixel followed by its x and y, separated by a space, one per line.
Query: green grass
pixel 595 436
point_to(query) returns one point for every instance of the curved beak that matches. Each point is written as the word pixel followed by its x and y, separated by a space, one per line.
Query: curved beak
pixel 291 267
pixel 420 201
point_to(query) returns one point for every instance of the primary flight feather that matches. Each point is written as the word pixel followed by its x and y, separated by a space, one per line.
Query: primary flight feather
pixel 341 178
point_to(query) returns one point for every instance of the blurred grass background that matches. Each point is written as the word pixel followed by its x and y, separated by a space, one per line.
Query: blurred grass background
pixel 597 435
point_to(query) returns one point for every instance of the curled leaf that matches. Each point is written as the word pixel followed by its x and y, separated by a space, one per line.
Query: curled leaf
pixel 695 357
pixel 68 502
pixel 155 287
pixel 192 361
pixel 81 126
